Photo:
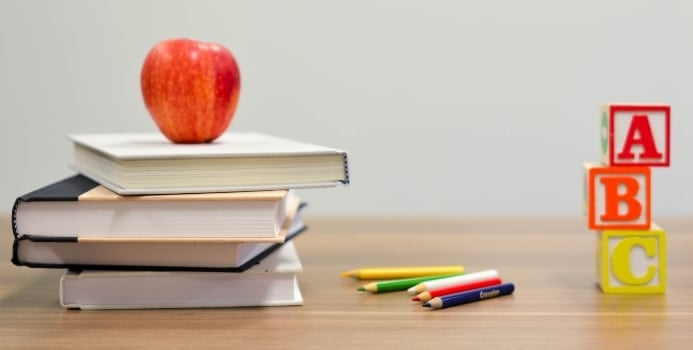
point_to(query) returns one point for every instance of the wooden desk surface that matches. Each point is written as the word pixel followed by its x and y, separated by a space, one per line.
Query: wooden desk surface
pixel 556 304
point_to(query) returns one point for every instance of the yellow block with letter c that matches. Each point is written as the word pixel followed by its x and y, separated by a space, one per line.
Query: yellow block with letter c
pixel 632 261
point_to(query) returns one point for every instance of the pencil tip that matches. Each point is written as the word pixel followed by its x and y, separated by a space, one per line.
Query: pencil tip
pixel 426 305
pixel 346 274
pixel 361 289
pixel 415 299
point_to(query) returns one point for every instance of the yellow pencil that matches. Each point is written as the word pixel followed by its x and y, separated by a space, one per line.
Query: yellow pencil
pixel 381 273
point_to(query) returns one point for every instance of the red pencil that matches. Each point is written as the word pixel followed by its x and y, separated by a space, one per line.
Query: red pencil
pixel 428 295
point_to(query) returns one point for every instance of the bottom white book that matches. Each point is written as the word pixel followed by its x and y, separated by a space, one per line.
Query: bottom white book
pixel 272 282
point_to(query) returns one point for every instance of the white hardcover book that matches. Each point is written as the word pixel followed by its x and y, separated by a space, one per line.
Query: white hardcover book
pixel 272 282
pixel 148 163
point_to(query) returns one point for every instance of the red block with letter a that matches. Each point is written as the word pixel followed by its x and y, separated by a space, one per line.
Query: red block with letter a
pixel 618 197
pixel 636 134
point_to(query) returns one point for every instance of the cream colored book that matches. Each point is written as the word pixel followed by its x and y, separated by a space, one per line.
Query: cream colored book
pixel 148 163
pixel 79 208
pixel 272 282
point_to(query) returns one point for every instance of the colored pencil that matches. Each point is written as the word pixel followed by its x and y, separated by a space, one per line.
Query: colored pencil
pixel 462 287
pixel 385 273
pixel 470 296
pixel 399 284
pixel 451 281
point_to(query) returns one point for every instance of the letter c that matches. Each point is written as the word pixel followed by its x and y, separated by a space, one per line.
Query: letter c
pixel 620 260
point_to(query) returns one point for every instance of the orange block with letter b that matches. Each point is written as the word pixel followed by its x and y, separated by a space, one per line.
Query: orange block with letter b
pixel 618 197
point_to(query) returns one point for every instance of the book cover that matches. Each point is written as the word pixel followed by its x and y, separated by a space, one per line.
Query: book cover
pixel 228 256
pixel 78 207
pixel 272 282
pixel 147 163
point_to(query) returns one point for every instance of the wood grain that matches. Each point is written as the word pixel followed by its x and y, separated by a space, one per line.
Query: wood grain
pixel 551 261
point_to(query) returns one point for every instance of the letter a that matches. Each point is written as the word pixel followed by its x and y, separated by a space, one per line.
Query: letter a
pixel 640 125
pixel 613 199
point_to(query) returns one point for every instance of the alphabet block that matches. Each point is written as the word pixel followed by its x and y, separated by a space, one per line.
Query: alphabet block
pixel 635 135
pixel 618 197
pixel 632 261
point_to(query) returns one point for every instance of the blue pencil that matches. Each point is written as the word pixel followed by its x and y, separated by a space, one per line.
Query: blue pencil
pixel 470 296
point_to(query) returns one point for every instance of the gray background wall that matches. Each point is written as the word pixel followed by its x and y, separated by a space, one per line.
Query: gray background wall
pixel 446 107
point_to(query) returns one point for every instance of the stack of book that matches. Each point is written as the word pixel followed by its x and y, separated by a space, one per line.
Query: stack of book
pixel 151 224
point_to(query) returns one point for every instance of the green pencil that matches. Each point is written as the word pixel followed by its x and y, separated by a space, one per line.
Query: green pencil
pixel 399 284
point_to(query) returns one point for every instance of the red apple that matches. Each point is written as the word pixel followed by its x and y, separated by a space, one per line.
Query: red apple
pixel 191 89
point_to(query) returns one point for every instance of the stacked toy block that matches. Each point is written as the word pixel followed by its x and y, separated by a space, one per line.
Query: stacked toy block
pixel 631 248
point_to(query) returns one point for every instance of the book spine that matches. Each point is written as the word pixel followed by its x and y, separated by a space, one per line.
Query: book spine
pixel 346 169
pixel 15 256
pixel 14 217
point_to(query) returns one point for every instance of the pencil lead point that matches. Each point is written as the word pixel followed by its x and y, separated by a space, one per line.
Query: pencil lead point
pixel 361 289
pixel 426 305
pixel 415 299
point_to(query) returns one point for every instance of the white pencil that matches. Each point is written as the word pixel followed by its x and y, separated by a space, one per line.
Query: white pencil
pixel 451 281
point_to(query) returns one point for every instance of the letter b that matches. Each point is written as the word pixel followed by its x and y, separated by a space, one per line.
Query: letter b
pixel 617 197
